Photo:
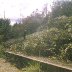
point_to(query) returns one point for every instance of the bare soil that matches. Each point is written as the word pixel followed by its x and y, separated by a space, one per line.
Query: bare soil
pixel 7 67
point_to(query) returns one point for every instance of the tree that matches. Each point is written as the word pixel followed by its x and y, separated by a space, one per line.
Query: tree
pixel 60 8
pixel 31 23
pixel 5 29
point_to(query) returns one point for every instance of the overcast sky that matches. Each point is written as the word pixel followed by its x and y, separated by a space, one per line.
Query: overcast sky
pixel 18 8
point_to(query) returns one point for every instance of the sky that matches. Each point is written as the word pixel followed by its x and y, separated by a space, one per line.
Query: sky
pixel 21 8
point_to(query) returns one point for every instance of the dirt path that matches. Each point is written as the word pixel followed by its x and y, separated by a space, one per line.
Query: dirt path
pixel 7 67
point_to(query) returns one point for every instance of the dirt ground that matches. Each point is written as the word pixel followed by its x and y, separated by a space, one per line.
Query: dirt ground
pixel 7 67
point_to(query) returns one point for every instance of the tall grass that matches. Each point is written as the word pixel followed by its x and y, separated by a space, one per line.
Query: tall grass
pixel 1 51
pixel 32 68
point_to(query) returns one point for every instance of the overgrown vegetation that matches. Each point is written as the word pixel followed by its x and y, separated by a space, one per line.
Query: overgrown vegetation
pixel 1 52
pixel 49 34
pixel 54 41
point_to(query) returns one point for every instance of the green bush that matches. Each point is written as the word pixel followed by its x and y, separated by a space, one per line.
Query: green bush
pixel 49 42
pixel 32 68
pixel 1 51
pixel 68 52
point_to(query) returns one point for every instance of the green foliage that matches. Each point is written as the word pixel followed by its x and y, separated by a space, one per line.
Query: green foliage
pixel 40 41
pixel 18 30
pixel 28 26
pixel 63 7
pixel 62 22
pixel 49 42
pixel 14 44
pixel 67 52
pixel 32 68
pixel 4 29
pixel 1 51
